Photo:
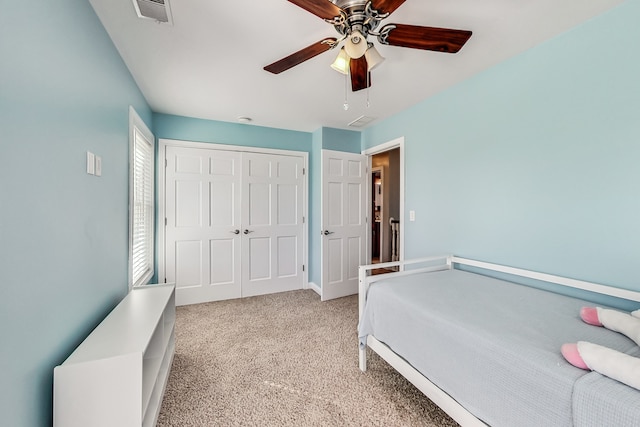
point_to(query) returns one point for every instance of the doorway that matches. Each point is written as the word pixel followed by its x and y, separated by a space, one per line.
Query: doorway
pixel 385 206
pixel 386 199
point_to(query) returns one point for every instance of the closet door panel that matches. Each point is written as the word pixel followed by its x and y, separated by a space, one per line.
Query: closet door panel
pixel 202 205
pixel 272 249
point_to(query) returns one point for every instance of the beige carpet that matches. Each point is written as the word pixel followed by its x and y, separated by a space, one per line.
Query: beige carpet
pixel 283 360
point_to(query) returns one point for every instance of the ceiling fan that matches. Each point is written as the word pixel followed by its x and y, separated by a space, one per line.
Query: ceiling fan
pixel 354 20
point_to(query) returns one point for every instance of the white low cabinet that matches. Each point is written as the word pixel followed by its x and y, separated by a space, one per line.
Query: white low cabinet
pixel 117 376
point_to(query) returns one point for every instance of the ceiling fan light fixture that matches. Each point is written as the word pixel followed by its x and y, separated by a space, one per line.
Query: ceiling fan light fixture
pixel 355 45
pixel 341 63
pixel 373 57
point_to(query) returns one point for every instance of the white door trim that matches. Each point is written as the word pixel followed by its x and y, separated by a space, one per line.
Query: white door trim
pixel 390 145
pixel 160 195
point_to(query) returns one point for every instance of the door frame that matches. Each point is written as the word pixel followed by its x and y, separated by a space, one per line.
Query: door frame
pixel 160 195
pixel 381 148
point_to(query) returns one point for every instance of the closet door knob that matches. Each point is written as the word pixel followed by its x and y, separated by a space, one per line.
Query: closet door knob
pixel 327 232
pixel 236 232
pixel 247 231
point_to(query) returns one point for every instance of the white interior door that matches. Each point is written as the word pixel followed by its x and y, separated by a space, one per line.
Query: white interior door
pixel 272 218
pixel 344 224
pixel 202 233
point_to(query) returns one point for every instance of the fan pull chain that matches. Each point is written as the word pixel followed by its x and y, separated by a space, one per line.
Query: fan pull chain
pixel 368 88
pixel 346 90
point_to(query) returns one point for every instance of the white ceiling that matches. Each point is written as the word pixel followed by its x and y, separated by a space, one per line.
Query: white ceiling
pixel 208 64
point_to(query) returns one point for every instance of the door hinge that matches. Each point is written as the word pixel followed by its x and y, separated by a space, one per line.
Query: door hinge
pixel 166 163
pixel 303 219
pixel 304 171
pixel 302 267
pixel 165 222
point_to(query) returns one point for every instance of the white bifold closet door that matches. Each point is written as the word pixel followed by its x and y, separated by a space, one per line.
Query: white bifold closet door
pixel 234 223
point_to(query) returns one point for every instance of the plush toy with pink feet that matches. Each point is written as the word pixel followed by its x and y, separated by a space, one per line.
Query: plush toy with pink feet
pixel 612 363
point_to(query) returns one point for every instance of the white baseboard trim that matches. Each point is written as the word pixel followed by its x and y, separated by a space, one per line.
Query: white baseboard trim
pixel 315 288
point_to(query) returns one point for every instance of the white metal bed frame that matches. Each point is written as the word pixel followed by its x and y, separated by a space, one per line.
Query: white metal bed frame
pixel 447 262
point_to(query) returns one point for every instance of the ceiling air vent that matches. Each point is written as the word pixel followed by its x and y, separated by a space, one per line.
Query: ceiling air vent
pixel 158 10
pixel 361 121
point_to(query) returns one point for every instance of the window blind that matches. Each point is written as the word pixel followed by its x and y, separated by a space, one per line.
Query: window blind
pixel 142 207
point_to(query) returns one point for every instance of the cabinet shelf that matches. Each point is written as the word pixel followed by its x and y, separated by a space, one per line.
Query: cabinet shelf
pixel 118 374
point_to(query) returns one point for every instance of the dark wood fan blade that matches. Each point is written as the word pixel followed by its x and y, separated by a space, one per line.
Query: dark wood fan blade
pixel 321 8
pixel 360 77
pixel 300 56
pixel 427 38
pixel 386 6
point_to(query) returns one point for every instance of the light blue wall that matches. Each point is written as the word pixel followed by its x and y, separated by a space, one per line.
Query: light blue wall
pixel 341 140
pixel 535 162
pixel 199 130
pixel 64 90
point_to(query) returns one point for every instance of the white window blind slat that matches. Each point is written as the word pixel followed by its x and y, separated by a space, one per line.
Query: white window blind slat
pixel 142 207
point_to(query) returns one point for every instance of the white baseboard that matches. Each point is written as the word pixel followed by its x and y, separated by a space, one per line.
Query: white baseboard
pixel 315 288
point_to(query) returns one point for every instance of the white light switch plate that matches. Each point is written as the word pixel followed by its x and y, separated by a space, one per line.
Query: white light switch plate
pixel 412 215
pixel 91 163
pixel 98 166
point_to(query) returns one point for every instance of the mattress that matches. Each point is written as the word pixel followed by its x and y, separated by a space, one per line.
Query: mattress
pixel 494 346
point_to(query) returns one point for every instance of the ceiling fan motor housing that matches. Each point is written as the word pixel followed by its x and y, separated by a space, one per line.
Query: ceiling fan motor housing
pixel 356 16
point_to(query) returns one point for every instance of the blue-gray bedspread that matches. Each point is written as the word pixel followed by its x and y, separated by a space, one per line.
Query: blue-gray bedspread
pixel 494 346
